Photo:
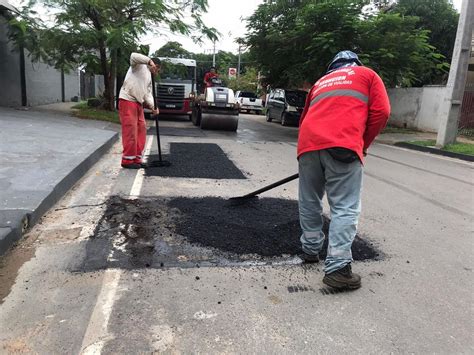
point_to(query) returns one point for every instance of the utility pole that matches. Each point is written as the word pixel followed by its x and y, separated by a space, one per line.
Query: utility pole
pixel 451 107
pixel 214 55
pixel 238 64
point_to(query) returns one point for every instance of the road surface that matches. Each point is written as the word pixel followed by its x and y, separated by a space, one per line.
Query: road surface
pixel 79 283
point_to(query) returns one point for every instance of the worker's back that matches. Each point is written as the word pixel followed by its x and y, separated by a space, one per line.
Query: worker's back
pixel 345 108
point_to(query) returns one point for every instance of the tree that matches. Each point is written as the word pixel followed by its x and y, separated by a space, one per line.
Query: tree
pixel 248 81
pixel 294 44
pixel 102 33
pixel 173 50
pixel 438 17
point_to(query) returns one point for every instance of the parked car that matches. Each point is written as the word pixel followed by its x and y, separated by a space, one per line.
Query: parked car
pixel 285 106
pixel 248 101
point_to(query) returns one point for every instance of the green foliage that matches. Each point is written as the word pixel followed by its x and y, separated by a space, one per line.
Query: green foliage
pixel 293 42
pixel 82 110
pixel 102 33
pixel 462 148
pixel 245 82
pixel 172 50
pixel 438 17
pixel 224 61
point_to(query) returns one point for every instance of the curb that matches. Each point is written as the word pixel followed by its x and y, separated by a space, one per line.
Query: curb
pixel 25 219
pixel 435 151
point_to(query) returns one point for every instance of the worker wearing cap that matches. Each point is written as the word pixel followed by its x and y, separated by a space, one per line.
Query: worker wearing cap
pixel 345 110
pixel 209 75
pixel 135 94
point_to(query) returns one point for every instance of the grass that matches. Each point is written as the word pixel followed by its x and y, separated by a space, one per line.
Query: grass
pixel 81 110
pixel 461 148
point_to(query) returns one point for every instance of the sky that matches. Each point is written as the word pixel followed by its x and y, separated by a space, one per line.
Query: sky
pixel 227 16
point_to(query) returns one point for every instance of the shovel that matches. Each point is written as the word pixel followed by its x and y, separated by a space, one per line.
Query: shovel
pixel 160 162
pixel 263 189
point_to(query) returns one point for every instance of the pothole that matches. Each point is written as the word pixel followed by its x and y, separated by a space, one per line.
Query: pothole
pixel 193 232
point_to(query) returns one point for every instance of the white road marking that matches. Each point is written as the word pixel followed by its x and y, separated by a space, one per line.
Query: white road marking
pixel 137 184
pixel 97 333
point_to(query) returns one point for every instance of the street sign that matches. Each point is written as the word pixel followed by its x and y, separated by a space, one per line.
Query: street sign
pixel 232 73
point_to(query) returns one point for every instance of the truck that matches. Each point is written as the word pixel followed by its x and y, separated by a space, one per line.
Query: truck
pixel 176 86
pixel 248 101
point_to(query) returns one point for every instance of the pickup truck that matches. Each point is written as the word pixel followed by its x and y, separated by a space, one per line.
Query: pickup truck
pixel 248 101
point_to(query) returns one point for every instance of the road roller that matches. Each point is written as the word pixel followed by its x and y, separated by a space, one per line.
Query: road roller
pixel 216 108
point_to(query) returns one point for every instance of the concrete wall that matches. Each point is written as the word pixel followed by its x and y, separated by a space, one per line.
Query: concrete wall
pixel 72 86
pixel 417 107
pixel 43 82
pixel 428 118
pixel 9 70
pixel 405 106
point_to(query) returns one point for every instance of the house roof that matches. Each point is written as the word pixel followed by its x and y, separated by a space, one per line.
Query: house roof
pixel 5 5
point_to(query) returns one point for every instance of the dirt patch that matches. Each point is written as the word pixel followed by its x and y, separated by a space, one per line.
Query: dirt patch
pixel 12 261
pixel 191 232
pixel 196 160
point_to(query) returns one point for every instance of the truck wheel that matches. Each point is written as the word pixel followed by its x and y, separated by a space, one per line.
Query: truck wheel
pixel 267 115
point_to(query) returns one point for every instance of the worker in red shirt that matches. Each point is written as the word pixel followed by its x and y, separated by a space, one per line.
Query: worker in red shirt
pixel 345 110
pixel 209 75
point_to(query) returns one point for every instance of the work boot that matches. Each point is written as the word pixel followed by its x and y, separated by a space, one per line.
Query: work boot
pixel 131 166
pixel 309 258
pixel 343 279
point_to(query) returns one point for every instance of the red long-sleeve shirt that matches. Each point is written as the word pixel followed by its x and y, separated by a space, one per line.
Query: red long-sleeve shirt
pixel 345 108
pixel 208 76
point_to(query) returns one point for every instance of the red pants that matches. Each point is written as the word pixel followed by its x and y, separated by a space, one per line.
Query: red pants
pixel 133 131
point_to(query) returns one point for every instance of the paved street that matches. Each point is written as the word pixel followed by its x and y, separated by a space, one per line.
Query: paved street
pixel 79 283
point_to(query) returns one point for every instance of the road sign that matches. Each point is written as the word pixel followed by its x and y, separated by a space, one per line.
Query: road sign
pixel 232 73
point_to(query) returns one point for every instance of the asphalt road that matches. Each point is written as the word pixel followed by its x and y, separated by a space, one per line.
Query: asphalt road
pixel 417 210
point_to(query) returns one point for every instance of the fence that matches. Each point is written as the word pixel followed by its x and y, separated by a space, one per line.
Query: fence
pixel 466 121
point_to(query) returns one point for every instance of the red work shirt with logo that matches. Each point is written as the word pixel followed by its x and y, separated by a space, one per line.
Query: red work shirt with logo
pixel 208 76
pixel 345 108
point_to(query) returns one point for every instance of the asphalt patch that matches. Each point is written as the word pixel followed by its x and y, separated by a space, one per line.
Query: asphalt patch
pixel 194 232
pixel 268 227
pixel 179 132
pixel 196 160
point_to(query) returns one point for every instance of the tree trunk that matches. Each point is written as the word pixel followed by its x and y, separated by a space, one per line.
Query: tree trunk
pixel 106 73
pixel 112 75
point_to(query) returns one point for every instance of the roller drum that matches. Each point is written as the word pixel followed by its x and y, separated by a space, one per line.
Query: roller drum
pixel 219 122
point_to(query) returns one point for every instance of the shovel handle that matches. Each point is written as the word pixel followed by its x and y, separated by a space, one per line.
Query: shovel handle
pixel 271 186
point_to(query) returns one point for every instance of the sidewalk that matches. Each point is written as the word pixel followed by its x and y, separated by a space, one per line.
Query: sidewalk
pixel 44 152
pixel 393 138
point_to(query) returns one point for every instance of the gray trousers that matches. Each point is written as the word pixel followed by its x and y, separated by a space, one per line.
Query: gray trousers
pixel 320 173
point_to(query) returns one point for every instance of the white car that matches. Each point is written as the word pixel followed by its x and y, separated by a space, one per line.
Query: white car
pixel 248 101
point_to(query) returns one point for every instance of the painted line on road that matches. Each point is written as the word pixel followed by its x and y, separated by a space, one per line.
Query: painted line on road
pixel 138 182
pixel 97 334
